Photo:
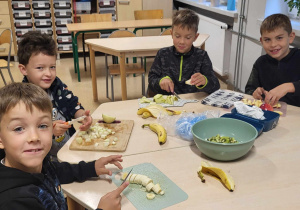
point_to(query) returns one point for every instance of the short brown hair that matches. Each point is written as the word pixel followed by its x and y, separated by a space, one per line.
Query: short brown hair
pixel 28 93
pixel 186 18
pixel 33 43
pixel 276 21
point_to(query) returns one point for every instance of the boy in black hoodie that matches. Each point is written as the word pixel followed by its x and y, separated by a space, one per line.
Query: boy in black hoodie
pixel 276 75
pixel 174 66
pixel 28 179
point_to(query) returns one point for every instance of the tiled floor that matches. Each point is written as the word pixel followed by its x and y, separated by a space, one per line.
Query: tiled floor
pixel 83 89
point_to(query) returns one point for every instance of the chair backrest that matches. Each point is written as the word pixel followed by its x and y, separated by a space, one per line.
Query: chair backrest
pixel 121 33
pixel 95 18
pixel 166 32
pixel 5 43
pixel 148 14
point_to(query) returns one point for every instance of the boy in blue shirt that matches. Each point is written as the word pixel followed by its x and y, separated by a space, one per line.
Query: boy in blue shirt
pixel 276 75
pixel 175 65
pixel 37 62
pixel 28 179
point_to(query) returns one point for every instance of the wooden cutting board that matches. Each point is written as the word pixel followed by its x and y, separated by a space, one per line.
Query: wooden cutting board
pixel 122 132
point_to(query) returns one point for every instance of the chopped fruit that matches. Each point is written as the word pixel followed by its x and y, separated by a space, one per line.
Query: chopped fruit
pixel 108 119
pixel 266 107
pixel 150 196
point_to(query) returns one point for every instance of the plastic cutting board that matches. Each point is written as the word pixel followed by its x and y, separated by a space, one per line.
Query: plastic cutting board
pixel 135 194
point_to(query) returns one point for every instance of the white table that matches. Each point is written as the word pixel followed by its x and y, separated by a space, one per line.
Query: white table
pixel 266 178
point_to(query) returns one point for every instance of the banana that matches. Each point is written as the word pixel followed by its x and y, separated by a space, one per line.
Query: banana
pixel 159 130
pixel 146 115
pixel 200 174
pixel 218 173
pixel 142 110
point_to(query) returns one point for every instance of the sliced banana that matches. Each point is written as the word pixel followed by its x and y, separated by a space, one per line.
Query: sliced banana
pixel 131 180
pixel 149 186
pixel 124 174
pixel 146 182
pixel 150 196
pixel 156 188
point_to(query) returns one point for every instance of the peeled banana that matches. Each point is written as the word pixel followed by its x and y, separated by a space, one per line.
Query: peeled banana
pixel 155 110
pixel 218 173
pixel 146 182
pixel 159 130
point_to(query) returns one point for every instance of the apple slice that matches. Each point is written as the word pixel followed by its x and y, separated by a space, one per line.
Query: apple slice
pixel 267 107
pixel 107 118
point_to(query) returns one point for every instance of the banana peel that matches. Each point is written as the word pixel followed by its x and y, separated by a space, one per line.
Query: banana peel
pixel 146 115
pixel 155 110
pixel 218 173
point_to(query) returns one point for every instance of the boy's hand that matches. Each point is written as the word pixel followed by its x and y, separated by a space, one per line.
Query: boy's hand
pixel 167 85
pixel 274 95
pixel 112 200
pixel 59 127
pixel 258 93
pixel 87 122
pixel 198 79
pixel 102 162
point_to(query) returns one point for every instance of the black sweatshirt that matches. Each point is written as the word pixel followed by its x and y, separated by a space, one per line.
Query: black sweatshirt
pixel 180 67
pixel 268 73
pixel 21 190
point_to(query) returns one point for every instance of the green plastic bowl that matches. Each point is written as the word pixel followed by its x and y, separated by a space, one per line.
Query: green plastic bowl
pixel 242 131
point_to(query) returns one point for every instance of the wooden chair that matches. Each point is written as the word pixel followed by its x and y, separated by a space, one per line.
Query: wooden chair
pixel 114 69
pixel 148 14
pixel 5 51
pixel 166 32
pixel 86 18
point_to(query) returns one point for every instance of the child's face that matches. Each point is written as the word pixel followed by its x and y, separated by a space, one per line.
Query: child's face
pixel 40 70
pixel 183 38
pixel 26 137
pixel 276 43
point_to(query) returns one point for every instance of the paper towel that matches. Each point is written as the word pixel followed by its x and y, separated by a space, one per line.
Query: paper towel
pixel 250 111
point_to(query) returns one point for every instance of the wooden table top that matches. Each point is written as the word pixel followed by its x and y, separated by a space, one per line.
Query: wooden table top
pixel 139 44
pixel 266 178
pixel 91 26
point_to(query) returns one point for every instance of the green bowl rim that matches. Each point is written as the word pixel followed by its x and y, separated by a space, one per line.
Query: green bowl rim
pixel 226 144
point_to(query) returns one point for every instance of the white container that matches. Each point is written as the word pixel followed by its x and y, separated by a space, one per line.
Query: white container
pixel 276 6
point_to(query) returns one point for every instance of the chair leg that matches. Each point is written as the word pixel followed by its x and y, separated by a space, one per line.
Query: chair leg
pixel 2 77
pixel 83 47
pixel 145 64
pixel 8 68
pixel 112 87
pixel 143 84
pixel 107 72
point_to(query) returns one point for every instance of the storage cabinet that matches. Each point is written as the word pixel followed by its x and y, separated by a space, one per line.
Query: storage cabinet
pixel 5 22
pixel 47 16
pixel 51 16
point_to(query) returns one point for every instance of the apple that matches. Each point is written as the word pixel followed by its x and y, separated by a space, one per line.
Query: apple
pixel 266 107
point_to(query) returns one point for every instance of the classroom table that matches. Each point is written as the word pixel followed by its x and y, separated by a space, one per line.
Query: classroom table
pixel 81 28
pixel 130 47
pixel 265 178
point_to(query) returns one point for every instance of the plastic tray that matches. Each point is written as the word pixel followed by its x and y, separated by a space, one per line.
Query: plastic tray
pixel 269 123
pixel 259 126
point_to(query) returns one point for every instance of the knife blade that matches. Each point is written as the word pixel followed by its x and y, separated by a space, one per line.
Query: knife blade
pixel 175 94
pixel 127 176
